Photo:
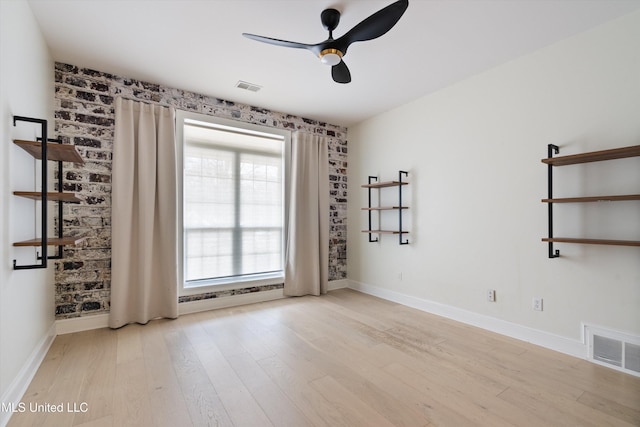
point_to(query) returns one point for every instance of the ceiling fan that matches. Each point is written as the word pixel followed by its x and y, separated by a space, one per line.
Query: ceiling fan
pixel 331 51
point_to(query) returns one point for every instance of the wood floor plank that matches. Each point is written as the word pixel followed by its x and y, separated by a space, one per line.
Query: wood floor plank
pixel 610 407
pixel 129 346
pixel 350 407
pixel 99 382
pixel 509 369
pixel 168 405
pixel 339 302
pixel 405 408
pixel 100 422
pixel 287 346
pixel 342 363
pixel 477 406
pixel 132 403
pixel 242 408
pixel 559 411
pixel 624 389
pixel 203 403
pixel 280 410
pixel 316 408
pixel 344 359
pixel 72 371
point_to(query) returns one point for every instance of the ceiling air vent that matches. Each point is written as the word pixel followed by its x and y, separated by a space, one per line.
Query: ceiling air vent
pixel 614 349
pixel 248 86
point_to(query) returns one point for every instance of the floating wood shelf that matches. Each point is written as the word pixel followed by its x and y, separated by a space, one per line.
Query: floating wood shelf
pixel 592 199
pixel 52 196
pixel 55 152
pixel 594 156
pixel 385 208
pixel 384 184
pixel 64 241
pixel 593 241
pixel 385 232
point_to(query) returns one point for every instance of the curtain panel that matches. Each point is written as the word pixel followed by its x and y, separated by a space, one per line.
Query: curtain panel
pixel 144 262
pixel 307 252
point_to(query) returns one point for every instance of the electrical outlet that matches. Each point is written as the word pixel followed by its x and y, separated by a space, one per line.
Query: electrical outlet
pixel 491 295
pixel 537 304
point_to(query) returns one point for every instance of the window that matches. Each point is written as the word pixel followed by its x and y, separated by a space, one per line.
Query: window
pixel 233 202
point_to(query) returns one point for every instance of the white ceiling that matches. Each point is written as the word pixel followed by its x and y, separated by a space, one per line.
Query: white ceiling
pixel 198 46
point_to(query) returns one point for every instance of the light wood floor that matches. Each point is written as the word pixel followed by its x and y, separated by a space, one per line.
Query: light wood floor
pixel 344 359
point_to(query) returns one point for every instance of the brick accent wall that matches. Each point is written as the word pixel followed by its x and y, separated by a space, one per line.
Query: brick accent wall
pixel 84 116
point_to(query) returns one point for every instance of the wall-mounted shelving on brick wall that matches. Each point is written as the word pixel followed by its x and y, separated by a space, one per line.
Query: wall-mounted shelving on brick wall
pixel 84 116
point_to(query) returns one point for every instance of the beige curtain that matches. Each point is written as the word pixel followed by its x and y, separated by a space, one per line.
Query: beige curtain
pixel 307 254
pixel 144 268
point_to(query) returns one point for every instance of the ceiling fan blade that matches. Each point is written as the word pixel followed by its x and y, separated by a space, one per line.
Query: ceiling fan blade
pixel 375 25
pixel 340 73
pixel 278 42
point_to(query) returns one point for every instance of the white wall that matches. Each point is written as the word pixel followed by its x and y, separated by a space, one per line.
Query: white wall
pixel 26 297
pixel 473 151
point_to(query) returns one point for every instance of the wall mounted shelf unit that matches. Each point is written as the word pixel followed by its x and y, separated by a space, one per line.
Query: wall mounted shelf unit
pixel 594 156
pixel 374 184
pixel 46 150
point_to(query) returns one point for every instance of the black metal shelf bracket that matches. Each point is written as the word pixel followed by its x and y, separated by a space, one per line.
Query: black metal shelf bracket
pixel 60 231
pixel 43 190
pixel 370 181
pixel 406 174
pixel 551 149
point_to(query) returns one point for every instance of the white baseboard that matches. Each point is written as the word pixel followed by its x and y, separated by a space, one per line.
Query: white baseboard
pixel 230 301
pixel 338 284
pixel 79 324
pixel 524 333
pixel 18 386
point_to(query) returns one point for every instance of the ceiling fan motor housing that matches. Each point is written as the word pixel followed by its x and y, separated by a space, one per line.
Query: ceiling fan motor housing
pixel 330 19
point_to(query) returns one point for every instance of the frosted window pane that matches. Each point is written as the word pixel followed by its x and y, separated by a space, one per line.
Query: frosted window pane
pixel 233 203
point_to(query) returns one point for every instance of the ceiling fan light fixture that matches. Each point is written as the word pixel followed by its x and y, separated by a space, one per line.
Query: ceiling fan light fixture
pixel 331 57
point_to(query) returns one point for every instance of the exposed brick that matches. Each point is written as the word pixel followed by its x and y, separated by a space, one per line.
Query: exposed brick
pixel 63 115
pixel 72 265
pixel 95 74
pixel 73 176
pixel 100 87
pixel 87 142
pixel 75 81
pixel 90 286
pixel 86 96
pixel 85 117
pixel 66 68
pixel 67 105
pixel 95 200
pixel 106 99
pixel 66 309
pixel 72 187
pixel 96 177
pixel 94 120
pixel 91 306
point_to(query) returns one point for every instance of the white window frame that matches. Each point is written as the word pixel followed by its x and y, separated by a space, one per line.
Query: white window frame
pixel 223 284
